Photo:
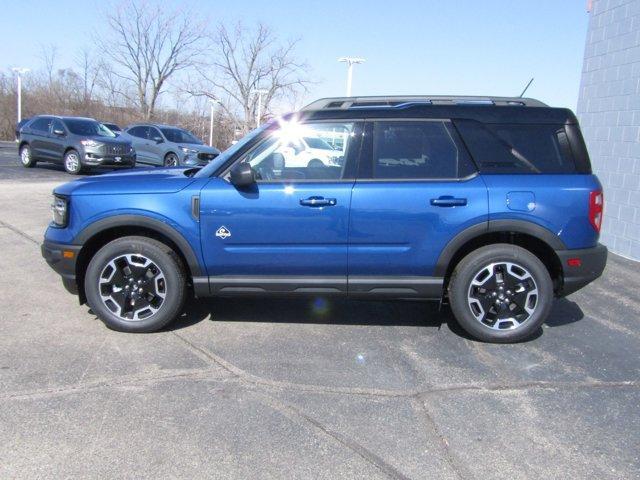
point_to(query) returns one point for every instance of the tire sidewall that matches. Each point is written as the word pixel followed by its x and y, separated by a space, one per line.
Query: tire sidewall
pixel 31 162
pixel 171 155
pixel 64 163
pixel 468 268
pixel 158 253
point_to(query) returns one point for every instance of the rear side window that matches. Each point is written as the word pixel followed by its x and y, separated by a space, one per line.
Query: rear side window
pixel 40 125
pixel 419 150
pixel 516 148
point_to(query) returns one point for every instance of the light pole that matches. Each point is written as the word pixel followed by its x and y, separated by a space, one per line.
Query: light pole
pixel 350 61
pixel 213 104
pixel 259 92
pixel 19 71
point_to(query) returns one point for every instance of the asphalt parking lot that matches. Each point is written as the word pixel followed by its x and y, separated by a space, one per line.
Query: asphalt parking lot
pixel 304 388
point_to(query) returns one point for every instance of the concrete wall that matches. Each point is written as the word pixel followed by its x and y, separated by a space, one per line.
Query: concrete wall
pixel 609 112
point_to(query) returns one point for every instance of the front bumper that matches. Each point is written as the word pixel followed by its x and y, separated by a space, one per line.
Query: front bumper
pixel 62 259
pixel 592 263
pixel 111 161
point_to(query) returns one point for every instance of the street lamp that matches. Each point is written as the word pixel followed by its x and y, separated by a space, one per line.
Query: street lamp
pixel 350 61
pixel 260 92
pixel 213 104
pixel 19 71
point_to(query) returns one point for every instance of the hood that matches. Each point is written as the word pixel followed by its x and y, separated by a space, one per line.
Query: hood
pixel 108 140
pixel 148 180
pixel 201 148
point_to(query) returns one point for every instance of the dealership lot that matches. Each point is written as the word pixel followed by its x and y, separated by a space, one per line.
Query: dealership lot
pixel 266 388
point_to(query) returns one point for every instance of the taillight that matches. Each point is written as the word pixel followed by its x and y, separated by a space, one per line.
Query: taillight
pixel 596 206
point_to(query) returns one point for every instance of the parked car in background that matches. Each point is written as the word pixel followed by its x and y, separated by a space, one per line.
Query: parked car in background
pixel 19 125
pixel 113 127
pixel 75 142
pixel 311 151
pixel 487 204
pixel 168 146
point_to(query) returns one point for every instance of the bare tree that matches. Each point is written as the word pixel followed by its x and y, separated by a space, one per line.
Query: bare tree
pixel 147 46
pixel 245 61
pixel 89 73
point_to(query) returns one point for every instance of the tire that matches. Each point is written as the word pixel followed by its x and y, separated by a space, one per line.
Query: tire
pixel 171 160
pixel 26 158
pixel 315 163
pixel 72 163
pixel 501 293
pixel 154 269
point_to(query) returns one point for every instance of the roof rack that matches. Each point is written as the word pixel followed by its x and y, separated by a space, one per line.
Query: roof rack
pixel 343 103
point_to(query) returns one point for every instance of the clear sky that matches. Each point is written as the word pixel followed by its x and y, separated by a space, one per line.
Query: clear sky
pixel 469 47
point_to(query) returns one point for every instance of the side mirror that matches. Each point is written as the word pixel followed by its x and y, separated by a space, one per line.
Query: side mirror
pixel 242 175
pixel 158 139
pixel 58 132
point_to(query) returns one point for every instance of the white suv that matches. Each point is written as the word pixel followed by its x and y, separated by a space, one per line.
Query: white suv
pixel 311 152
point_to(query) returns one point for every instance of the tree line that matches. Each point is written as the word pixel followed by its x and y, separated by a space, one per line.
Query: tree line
pixel 166 66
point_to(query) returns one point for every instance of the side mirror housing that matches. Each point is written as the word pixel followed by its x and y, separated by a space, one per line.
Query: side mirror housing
pixel 242 175
pixel 58 132
pixel 158 139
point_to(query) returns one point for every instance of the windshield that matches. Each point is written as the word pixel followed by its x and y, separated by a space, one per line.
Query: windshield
pixel 318 143
pixel 224 156
pixel 88 128
pixel 176 135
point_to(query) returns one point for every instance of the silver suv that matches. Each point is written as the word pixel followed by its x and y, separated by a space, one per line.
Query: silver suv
pixel 75 142
pixel 168 146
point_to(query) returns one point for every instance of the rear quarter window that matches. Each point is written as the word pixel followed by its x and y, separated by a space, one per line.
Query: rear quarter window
pixel 518 148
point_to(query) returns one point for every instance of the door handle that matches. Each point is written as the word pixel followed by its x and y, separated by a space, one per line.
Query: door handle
pixel 448 201
pixel 318 202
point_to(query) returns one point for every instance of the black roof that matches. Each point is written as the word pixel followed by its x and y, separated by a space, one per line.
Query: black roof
pixel 483 109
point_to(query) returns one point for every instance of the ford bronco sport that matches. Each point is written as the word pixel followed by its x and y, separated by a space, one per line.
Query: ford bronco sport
pixel 488 204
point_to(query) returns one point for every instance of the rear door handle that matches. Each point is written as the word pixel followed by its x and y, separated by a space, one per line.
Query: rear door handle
pixel 318 202
pixel 448 201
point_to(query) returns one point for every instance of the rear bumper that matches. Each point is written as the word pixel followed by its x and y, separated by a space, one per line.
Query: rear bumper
pixel 62 259
pixel 592 263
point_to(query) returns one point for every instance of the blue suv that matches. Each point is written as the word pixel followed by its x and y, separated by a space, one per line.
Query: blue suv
pixel 487 204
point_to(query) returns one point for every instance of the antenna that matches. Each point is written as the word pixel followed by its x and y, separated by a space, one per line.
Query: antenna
pixel 527 87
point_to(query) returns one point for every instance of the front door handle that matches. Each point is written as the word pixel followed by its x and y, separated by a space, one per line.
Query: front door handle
pixel 448 201
pixel 317 202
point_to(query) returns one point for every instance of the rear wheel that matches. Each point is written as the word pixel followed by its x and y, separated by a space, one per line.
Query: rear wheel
pixel 72 163
pixel 26 158
pixel 500 293
pixel 135 284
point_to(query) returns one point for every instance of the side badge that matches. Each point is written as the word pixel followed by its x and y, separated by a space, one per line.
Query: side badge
pixel 223 232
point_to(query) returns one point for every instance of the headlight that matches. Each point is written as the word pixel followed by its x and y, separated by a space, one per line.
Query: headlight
pixel 90 143
pixel 188 150
pixel 60 210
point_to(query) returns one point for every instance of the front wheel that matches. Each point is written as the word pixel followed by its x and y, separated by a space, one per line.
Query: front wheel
pixel 72 163
pixel 135 284
pixel 171 160
pixel 500 293
pixel 26 158
pixel 315 163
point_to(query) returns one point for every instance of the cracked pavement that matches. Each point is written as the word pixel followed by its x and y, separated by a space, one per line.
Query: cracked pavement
pixel 281 388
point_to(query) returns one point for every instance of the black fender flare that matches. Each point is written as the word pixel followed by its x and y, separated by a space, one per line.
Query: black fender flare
pixel 146 222
pixel 494 226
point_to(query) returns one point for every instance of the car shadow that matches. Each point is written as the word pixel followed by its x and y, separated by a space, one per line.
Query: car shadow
pixel 334 311
pixel 85 173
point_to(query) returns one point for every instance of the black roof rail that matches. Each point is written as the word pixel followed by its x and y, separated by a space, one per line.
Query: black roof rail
pixel 343 103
